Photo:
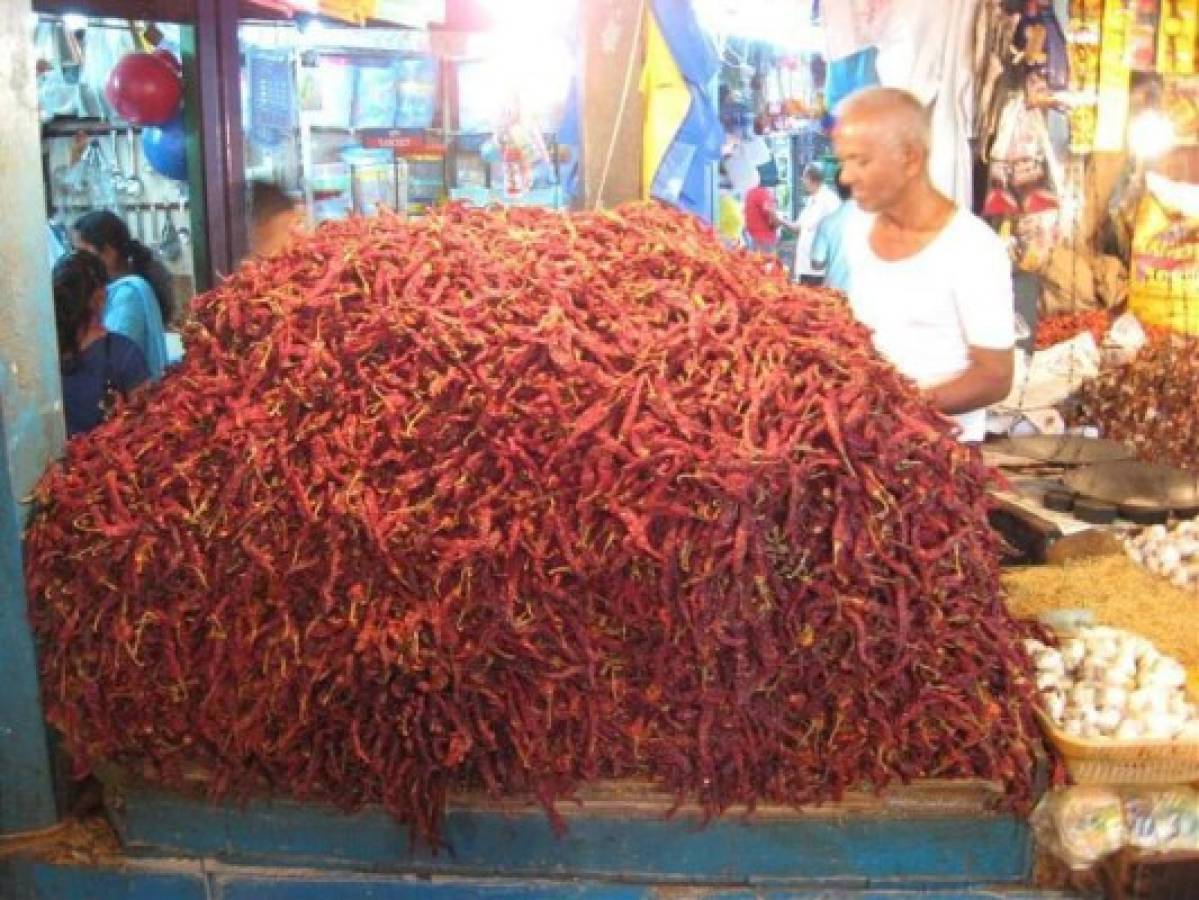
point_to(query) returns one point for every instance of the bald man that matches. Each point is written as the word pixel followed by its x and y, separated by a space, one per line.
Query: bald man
pixel 932 280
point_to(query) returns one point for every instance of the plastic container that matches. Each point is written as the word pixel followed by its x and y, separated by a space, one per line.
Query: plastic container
pixel 372 179
pixel 330 185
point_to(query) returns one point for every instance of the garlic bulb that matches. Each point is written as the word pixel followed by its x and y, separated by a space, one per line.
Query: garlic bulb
pixel 1129 730
pixel 1113 697
pixel 1105 683
pixel 1172 553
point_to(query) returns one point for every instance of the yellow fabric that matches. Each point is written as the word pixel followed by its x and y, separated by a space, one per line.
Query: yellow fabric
pixel 667 102
pixel 730 220
pixel 356 11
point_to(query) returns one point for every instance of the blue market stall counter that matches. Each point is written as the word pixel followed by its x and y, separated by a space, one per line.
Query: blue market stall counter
pixel 931 839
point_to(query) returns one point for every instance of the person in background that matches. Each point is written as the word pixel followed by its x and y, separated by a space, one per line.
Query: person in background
pixel 828 249
pixel 822 201
pixel 730 221
pixel 274 218
pixel 95 363
pixel 931 280
pixel 139 288
pixel 762 219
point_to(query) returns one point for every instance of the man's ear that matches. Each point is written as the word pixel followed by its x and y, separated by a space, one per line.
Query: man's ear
pixel 912 158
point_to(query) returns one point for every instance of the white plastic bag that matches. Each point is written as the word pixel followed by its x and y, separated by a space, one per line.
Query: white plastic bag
pixel 1164 820
pixel 1080 825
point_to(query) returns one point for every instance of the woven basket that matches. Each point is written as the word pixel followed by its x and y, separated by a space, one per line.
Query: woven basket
pixel 1109 761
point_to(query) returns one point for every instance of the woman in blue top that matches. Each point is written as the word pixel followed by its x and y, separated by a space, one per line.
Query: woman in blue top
pixel 95 363
pixel 140 299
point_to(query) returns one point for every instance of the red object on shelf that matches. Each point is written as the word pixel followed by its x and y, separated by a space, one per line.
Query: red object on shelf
pixel 1000 202
pixel 1040 200
pixel 144 89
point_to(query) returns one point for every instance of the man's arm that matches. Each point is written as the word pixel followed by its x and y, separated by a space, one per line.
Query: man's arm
pixel 986 380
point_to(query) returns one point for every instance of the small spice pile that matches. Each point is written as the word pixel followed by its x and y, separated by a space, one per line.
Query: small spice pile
pixel 514 500
pixel 1060 327
pixel 1149 403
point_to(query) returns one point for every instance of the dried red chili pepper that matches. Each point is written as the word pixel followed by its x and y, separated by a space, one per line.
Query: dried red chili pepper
pixel 512 500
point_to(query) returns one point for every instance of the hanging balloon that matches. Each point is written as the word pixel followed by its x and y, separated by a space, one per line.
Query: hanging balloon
pixel 168 56
pixel 144 89
pixel 165 147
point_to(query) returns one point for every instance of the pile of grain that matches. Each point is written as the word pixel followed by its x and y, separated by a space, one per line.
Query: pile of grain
pixel 1120 594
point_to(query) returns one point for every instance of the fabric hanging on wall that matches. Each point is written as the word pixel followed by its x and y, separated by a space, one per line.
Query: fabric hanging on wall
pixel 851 26
pixel 926 47
pixel 849 75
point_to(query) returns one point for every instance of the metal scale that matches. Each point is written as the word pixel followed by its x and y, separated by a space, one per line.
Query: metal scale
pixel 1063 486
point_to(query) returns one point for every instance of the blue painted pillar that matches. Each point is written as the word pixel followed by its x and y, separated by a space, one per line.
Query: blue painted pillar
pixel 31 426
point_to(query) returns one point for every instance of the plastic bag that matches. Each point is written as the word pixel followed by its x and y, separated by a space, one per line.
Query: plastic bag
pixel 1080 825
pixel 1161 821
pixel 1164 287
pixel 1052 375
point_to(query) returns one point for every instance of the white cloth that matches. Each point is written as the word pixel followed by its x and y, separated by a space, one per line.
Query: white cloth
pixel 927 310
pixel 926 47
pixel 851 26
pixel 818 207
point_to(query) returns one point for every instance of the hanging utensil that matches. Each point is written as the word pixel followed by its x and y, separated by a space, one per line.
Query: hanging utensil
pixel 169 244
pixel 185 234
pixel 153 232
pixel 135 187
pixel 114 164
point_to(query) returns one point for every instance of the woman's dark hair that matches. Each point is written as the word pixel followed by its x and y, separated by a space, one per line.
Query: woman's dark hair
pixel 77 277
pixel 102 228
pixel 268 200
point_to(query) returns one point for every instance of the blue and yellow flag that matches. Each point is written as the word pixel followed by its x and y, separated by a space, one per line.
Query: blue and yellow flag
pixel 683 135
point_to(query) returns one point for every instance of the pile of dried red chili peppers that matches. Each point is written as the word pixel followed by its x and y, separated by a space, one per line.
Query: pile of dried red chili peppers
pixel 510 501
pixel 1150 402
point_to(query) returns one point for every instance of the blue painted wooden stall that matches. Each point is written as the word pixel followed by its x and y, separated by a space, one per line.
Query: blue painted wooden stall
pixel 926 835
pixel 195 881
pixel 933 840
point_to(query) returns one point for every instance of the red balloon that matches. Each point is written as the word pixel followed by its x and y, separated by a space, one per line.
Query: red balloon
pixel 144 89
pixel 170 58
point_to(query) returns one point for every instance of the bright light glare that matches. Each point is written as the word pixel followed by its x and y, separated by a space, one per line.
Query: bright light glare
pixel 74 22
pixel 539 16
pixel 785 25
pixel 1150 134
pixel 527 58
pixel 313 30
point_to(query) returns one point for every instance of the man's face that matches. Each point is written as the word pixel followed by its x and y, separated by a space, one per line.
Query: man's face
pixel 872 165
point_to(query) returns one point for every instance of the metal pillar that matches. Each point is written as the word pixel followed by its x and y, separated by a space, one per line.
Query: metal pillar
pixel 31 424
pixel 216 141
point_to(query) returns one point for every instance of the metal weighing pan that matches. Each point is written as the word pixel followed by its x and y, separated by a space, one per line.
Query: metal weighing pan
pixel 1138 485
pixel 1062 449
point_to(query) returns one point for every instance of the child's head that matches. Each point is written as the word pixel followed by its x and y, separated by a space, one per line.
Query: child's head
pixel 80 282
pixel 274 216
